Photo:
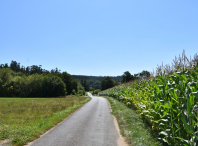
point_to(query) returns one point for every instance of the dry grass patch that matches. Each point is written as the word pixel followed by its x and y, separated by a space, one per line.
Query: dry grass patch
pixel 25 119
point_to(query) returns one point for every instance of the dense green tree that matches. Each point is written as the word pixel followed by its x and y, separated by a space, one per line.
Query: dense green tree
pixel 74 86
pixel 126 77
pixel 35 85
pixel 67 79
pixel 94 81
pixel 5 78
pixel 85 84
pixel 21 72
pixel 5 75
pixel 81 90
pixel 20 86
pixel 145 73
pixel 56 85
pixel 107 82
pixel 15 66
pixel 27 70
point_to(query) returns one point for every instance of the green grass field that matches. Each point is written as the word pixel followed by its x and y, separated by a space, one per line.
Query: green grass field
pixel 25 119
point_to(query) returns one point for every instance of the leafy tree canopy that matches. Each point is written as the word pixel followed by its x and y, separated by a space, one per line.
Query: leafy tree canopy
pixel 126 77
pixel 107 82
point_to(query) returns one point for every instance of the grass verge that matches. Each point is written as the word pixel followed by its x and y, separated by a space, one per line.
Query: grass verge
pixel 24 119
pixel 131 125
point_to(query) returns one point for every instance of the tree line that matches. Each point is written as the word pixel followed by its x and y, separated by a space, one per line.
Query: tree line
pixel 95 81
pixel 108 82
pixel 126 77
pixel 34 85
pixel 33 81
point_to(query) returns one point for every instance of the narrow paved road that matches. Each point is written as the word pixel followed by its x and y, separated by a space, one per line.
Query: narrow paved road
pixel 91 125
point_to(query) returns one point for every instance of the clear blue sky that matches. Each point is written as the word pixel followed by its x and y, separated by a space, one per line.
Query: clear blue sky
pixel 97 37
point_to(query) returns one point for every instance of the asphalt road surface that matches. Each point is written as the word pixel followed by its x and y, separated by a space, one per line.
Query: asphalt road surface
pixel 91 125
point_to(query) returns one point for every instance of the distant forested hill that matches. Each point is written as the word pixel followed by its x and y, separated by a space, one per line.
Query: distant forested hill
pixel 95 81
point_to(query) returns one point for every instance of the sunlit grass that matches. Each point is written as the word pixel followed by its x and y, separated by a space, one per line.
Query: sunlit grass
pixel 25 119
pixel 131 125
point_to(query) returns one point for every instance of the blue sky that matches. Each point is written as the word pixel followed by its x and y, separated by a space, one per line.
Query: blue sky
pixel 97 37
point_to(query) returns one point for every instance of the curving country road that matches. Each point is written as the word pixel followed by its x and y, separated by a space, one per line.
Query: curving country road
pixel 91 125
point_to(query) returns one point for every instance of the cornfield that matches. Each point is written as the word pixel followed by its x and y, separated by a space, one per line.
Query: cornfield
pixel 169 103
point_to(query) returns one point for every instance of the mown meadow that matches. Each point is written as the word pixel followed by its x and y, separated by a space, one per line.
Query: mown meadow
pixel 168 102
pixel 25 119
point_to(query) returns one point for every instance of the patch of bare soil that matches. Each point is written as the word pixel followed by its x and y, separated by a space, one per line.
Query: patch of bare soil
pixel 4 142
pixel 121 139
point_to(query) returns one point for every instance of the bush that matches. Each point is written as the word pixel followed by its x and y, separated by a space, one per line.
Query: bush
pixel 30 86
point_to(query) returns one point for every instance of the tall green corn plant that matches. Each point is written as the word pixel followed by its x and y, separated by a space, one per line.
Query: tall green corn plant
pixel 168 103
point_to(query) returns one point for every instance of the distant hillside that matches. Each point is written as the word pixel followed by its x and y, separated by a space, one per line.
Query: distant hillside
pixel 95 81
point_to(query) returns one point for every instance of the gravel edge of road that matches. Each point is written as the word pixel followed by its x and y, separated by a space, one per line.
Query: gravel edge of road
pixel 121 140
pixel 132 126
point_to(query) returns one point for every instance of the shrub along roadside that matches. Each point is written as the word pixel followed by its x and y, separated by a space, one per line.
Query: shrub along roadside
pixel 21 127
pixel 132 126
